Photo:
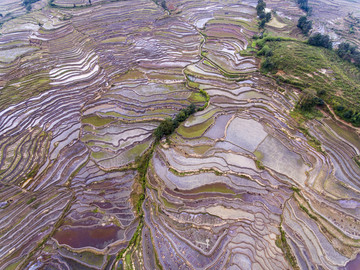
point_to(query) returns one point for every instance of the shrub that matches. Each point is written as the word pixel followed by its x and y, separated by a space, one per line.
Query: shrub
pixel 268 17
pixel 263 16
pixel 168 125
pixel 268 65
pixel 265 51
pixel 260 8
pixel 304 25
pixel 349 53
pixel 304 5
pixel 27 4
pixel 320 40
pixel 309 101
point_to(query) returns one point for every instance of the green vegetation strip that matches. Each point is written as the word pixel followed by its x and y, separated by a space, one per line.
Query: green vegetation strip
pixel 142 167
pixel 284 246
pixel 218 173
pixel 281 241
pixel 166 128
pixel 311 139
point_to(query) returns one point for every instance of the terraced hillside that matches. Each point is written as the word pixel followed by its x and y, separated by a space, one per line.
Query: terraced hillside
pixel 340 19
pixel 238 185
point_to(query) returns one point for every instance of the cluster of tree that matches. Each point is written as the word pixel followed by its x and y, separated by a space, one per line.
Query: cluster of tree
pixel 349 52
pixel 304 5
pixel 264 16
pixel 265 50
pixel 320 40
pixel 168 125
pixel 348 115
pixel 354 22
pixel 304 24
pixel 27 4
pixel 268 64
pixel 345 50
pixel 309 101
pixel 162 3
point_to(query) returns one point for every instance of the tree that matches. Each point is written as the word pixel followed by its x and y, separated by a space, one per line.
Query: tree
pixel 348 114
pixel 268 17
pixel 304 5
pixel 265 51
pixel 320 41
pixel 349 52
pixel 163 5
pixel 309 101
pixel 262 23
pixel 304 25
pixel 27 3
pixel 192 108
pixel 264 17
pixel 168 125
pixel 260 8
pixel 181 116
pixel 268 65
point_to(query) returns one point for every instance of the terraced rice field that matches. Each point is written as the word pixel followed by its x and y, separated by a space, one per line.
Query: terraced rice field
pixel 237 186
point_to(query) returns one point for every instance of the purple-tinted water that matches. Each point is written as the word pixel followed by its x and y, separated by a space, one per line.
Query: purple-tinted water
pixel 354 264
pixel 98 237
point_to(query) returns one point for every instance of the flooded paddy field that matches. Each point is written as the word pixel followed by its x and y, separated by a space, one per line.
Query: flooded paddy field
pixel 236 186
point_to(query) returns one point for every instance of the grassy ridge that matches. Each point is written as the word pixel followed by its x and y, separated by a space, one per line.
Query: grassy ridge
pixel 318 72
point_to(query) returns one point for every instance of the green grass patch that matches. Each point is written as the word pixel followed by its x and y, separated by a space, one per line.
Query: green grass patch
pixel 168 125
pixel 295 189
pixel 207 99
pixel 197 97
pixel 344 132
pixel 128 260
pixel 193 84
pixel 23 88
pixel 96 120
pixel 34 171
pixel 168 204
pixel 32 199
pixel 258 155
pixel 137 150
pixel 13 266
pixel 98 155
pixel 311 114
pixel 259 165
pixel 201 149
pixel 312 141
pixel 212 188
pixel 132 241
pixel 206 62
pixel 196 130
pixel 115 40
